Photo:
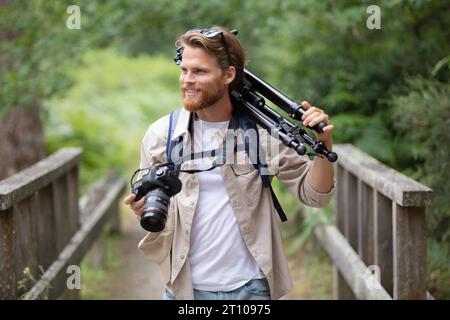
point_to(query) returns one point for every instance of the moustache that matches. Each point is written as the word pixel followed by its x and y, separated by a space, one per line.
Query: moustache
pixel 185 88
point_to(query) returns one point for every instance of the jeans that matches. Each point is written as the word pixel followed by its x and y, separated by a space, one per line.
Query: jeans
pixel 256 289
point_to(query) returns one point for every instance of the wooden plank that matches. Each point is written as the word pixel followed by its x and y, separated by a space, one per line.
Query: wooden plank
pixel 341 194
pixel 26 244
pixel 409 252
pixel 46 227
pixel 7 255
pixel 59 189
pixel 23 184
pixel 72 200
pixel 351 223
pixel 392 184
pixel 365 223
pixel 359 200
pixel 341 290
pixel 54 279
pixel 383 244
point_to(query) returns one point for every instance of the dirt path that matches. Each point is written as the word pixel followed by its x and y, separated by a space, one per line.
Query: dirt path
pixel 139 278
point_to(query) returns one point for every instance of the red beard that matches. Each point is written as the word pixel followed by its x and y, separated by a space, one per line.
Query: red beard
pixel 204 96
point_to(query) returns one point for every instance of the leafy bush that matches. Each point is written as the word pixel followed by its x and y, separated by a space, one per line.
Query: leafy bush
pixel 423 115
pixel 108 110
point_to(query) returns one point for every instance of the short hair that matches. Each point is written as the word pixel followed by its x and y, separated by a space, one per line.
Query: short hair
pixel 237 55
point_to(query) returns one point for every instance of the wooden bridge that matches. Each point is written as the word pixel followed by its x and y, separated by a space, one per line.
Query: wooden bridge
pixel 378 245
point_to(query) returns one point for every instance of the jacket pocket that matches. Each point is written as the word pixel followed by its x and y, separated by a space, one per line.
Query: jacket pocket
pixel 157 246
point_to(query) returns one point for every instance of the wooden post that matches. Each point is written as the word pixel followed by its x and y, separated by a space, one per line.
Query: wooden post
pixel 341 290
pixel 26 244
pixel 73 214
pixel 351 223
pixel 7 255
pixel 409 252
pixel 383 240
pixel 61 212
pixel 46 227
pixel 365 223
pixel 341 195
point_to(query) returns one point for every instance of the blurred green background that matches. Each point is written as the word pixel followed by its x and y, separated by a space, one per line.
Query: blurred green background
pixel 387 91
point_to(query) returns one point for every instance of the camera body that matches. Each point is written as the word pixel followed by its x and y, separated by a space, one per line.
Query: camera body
pixel 158 185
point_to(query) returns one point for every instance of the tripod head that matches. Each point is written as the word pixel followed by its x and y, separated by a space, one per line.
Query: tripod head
pixel 249 97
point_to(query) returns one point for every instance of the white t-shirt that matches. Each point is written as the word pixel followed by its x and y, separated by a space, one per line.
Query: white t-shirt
pixel 218 256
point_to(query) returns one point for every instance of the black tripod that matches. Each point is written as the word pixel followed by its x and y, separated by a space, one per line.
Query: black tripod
pixel 248 97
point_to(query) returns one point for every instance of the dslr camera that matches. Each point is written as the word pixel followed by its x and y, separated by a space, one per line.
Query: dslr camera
pixel 158 185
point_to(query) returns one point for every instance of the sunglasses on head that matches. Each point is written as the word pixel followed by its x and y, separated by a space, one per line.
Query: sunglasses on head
pixel 208 33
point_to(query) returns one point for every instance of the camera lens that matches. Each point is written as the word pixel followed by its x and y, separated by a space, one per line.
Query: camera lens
pixel 155 212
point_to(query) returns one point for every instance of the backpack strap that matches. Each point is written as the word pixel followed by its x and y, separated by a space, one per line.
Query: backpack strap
pixel 245 123
pixel 173 119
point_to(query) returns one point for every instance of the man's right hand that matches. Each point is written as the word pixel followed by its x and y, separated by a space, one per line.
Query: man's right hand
pixel 137 207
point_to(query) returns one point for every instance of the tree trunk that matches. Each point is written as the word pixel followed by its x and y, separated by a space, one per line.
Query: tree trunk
pixel 21 140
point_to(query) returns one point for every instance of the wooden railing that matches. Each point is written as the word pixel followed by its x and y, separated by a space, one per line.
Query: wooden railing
pixel 41 227
pixel 380 230
pixel 380 225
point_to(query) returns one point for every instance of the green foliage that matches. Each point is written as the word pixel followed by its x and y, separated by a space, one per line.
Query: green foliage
pixel 109 109
pixel 440 65
pixel 350 127
pixel 325 54
pixel 423 115
pixel 28 280
pixel 36 50
pixel 142 26
pixel 310 269
pixel 438 271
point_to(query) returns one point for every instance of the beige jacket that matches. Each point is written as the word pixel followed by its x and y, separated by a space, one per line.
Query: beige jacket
pixel 251 202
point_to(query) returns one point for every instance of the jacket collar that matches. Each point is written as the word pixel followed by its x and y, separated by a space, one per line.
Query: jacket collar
pixel 182 128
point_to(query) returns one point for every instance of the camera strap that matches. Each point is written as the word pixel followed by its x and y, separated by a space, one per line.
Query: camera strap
pixel 219 153
pixel 238 120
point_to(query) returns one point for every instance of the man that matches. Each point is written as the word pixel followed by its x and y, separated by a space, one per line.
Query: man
pixel 221 240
